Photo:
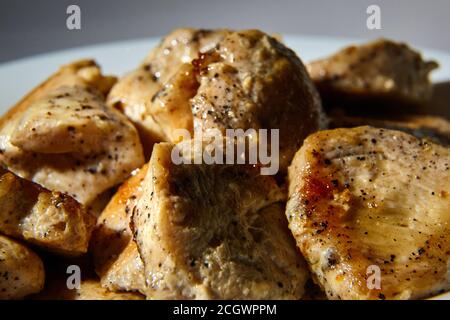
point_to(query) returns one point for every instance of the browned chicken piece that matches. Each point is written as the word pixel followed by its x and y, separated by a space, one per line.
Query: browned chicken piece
pixel 367 205
pixel 134 92
pixel 64 137
pixel 434 128
pixel 21 270
pixel 214 232
pixel 50 220
pixel 379 71
pixel 116 258
pixel 248 81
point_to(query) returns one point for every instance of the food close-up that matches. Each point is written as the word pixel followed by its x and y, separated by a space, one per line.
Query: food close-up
pixel 129 176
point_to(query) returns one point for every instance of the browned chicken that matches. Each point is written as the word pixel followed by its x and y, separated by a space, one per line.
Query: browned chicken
pixel 64 137
pixel 116 258
pixel 50 220
pixel 367 204
pixel 378 72
pixel 21 270
pixel 134 92
pixel 214 232
pixel 248 81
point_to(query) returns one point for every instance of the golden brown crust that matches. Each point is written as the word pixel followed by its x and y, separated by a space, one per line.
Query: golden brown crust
pixel 367 197
pixel 51 220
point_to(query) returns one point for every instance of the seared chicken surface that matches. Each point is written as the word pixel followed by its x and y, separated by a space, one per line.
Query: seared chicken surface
pixel 21 270
pixel 116 258
pixel 134 92
pixel 214 232
pixel 248 81
pixel 367 198
pixel 50 220
pixel 64 137
pixel 381 70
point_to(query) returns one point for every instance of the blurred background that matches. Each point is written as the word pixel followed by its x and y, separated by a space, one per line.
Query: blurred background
pixel 32 27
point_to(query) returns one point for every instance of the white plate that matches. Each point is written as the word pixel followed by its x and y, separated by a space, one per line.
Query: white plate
pixel 20 76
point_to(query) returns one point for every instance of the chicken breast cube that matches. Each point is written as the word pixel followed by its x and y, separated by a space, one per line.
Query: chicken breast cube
pixel 248 81
pixel 214 232
pixel 369 209
pixel 68 140
pixel 134 92
pixel 21 270
pixel 379 71
pixel 116 258
pixel 50 220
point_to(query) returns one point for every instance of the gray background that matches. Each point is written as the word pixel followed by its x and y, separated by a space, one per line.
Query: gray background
pixel 32 27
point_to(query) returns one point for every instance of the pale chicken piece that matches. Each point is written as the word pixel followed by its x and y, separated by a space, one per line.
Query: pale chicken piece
pixel 248 81
pixel 68 140
pixel 115 255
pixel 434 128
pixel 50 220
pixel 21 270
pixel 132 95
pixel 171 106
pixel 364 200
pixel 181 46
pixel 134 92
pixel 214 232
pixel 381 71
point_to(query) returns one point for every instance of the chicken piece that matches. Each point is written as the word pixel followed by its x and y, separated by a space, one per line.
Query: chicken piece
pixel 249 81
pixel 90 289
pixel 67 139
pixel 380 71
pixel 434 128
pixel 61 285
pixel 214 232
pixel 21 270
pixel 171 106
pixel 50 220
pixel 116 258
pixel 368 199
pixel 134 92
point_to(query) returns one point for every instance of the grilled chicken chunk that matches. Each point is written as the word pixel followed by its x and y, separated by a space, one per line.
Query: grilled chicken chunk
pixel 116 258
pixel 368 198
pixel 21 270
pixel 248 81
pixel 51 220
pixel 214 232
pixel 434 128
pixel 134 92
pixel 379 71
pixel 65 138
